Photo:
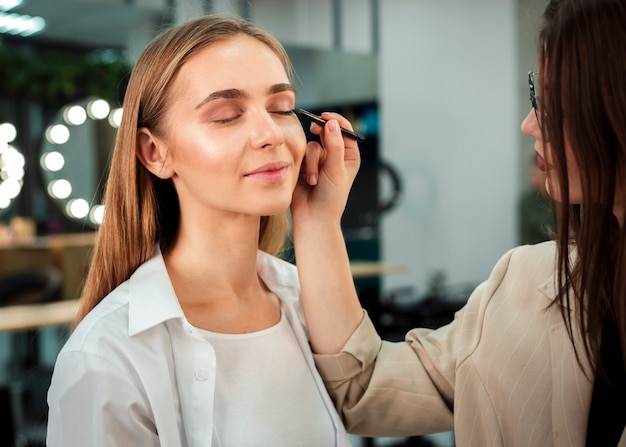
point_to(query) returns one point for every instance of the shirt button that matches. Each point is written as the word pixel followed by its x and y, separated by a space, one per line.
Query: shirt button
pixel 201 374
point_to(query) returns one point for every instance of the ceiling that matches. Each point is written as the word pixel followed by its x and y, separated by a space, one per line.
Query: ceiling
pixel 89 23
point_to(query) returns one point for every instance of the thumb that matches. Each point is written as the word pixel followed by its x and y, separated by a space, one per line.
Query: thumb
pixel 334 147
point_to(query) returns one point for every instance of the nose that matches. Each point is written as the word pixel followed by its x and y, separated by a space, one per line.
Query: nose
pixel 264 131
pixel 530 126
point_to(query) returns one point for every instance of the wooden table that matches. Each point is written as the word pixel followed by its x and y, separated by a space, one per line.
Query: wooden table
pixel 35 316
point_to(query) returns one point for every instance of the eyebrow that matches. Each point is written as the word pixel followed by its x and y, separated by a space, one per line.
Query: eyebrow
pixel 234 93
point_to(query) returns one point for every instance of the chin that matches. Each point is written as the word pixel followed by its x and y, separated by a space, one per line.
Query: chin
pixel 274 209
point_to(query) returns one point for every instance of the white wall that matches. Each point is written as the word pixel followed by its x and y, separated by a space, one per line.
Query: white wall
pixel 449 109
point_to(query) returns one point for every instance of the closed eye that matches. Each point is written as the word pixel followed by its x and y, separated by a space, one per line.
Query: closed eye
pixel 227 120
pixel 234 118
pixel 283 112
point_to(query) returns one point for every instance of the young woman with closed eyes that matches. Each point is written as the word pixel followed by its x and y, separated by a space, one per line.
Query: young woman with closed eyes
pixel 190 331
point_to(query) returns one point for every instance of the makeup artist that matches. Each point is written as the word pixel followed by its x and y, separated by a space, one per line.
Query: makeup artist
pixel 537 355
pixel 191 331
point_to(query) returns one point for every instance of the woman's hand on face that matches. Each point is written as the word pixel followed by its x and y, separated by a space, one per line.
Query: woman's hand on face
pixel 328 171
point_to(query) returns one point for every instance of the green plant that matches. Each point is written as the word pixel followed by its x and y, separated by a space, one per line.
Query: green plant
pixel 54 77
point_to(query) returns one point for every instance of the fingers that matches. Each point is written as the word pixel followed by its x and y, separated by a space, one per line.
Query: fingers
pixel 314 156
pixel 336 153
pixel 348 144
pixel 343 151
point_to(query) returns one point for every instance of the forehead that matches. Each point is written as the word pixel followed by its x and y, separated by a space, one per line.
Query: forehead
pixel 232 62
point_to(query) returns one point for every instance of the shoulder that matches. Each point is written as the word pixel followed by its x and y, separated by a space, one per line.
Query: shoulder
pixel 103 344
pixel 512 300
pixel 516 281
pixel 105 324
pixel 519 284
pixel 528 261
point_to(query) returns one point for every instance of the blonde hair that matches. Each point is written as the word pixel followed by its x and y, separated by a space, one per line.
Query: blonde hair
pixel 142 209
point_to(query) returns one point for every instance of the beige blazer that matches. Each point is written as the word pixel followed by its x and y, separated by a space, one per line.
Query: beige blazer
pixel 503 373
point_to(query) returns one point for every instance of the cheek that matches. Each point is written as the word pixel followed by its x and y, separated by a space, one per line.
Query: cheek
pixel 189 153
pixel 295 139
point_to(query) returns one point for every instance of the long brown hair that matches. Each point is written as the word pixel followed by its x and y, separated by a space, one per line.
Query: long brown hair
pixel 582 57
pixel 141 209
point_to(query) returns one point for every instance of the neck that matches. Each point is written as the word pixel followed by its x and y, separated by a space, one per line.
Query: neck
pixel 222 256
pixel 214 274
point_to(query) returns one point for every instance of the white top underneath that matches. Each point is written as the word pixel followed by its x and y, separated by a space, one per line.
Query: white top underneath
pixel 265 394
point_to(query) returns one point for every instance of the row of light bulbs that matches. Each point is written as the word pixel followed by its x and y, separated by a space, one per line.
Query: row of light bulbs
pixel 11 166
pixel 12 161
pixel 54 160
pixel 76 115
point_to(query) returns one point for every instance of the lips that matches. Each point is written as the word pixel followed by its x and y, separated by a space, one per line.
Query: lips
pixel 541 162
pixel 269 168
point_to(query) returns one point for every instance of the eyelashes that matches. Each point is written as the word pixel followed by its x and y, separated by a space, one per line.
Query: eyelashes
pixel 283 112
pixel 289 112
pixel 226 120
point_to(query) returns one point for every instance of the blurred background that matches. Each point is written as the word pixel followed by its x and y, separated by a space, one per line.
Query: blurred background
pixel 438 88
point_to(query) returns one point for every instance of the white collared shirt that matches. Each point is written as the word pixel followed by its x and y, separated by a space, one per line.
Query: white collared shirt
pixel 135 372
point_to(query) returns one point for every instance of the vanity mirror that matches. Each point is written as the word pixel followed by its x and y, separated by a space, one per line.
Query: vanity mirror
pixel 74 157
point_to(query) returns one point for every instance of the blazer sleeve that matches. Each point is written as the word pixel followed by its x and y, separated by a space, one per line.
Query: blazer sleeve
pixel 406 388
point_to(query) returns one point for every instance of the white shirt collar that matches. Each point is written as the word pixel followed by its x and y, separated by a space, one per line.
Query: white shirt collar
pixel 152 299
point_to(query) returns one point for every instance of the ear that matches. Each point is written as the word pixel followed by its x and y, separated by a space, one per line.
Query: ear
pixel 152 153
